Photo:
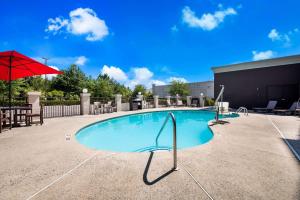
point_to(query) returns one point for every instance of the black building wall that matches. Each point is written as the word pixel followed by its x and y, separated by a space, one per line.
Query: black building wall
pixel 255 87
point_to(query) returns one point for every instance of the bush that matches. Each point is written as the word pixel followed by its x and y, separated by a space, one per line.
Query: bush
pixel 209 102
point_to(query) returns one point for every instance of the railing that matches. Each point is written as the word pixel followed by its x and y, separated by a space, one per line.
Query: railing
pixel 174 137
pixel 60 107
pixel 100 105
pixel 102 100
pixel 148 103
pixel 242 109
pixel 220 96
pixel 162 102
pixel 15 101
pixel 126 99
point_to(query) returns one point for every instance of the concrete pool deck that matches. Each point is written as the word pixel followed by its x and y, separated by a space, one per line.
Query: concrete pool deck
pixel 246 159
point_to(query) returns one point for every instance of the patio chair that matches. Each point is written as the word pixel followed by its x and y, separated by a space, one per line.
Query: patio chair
pixel 30 116
pixel 291 110
pixel 98 108
pixel 4 117
pixel 270 107
pixel 109 108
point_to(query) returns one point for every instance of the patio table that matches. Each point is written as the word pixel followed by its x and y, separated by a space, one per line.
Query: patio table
pixel 15 110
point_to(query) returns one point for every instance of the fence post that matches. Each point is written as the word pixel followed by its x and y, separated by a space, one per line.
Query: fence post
pixel 63 109
pixel 155 101
pixel 34 99
pixel 85 101
pixel 188 100
pixel 118 100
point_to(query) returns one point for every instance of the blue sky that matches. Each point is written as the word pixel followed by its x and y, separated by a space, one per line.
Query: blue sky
pixel 156 41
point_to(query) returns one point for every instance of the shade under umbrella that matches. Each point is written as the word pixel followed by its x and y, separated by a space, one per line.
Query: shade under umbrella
pixel 14 65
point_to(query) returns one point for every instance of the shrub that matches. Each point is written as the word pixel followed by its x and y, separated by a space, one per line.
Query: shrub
pixel 209 102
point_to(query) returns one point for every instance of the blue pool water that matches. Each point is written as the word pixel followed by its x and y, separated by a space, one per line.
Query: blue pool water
pixel 137 133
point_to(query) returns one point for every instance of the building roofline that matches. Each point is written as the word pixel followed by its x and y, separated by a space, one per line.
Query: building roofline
pixel 187 83
pixel 287 60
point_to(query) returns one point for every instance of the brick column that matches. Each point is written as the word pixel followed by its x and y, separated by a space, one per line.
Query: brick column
pixel 118 101
pixel 188 100
pixel 201 99
pixel 155 101
pixel 85 101
pixel 34 99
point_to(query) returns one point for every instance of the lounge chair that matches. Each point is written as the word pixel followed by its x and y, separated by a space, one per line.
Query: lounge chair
pixel 291 110
pixel 270 107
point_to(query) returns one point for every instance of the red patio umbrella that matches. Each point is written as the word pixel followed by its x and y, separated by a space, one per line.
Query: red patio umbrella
pixel 14 65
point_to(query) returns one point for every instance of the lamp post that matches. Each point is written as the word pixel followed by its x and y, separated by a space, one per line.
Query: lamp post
pixel 46 80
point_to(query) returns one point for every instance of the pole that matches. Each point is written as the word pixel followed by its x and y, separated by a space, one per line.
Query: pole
pixel 46 81
pixel 9 92
pixel 174 142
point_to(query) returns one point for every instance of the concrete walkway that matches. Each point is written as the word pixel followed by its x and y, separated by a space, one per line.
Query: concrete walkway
pixel 246 159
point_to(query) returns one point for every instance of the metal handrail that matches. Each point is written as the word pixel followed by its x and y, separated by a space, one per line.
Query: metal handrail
pixel 242 109
pixel 217 101
pixel 174 137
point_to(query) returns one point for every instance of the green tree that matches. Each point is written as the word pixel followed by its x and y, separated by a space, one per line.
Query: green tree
pixel 179 87
pixel 137 89
pixel 36 83
pixel 3 88
pixel 104 87
pixel 55 94
pixel 72 81
pixel 121 89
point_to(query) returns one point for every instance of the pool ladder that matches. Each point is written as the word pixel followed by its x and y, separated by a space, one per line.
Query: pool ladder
pixel 174 137
pixel 242 109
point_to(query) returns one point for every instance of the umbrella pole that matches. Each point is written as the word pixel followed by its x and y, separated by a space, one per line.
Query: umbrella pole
pixel 9 92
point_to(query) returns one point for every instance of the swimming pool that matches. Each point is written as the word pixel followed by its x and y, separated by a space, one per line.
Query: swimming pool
pixel 137 133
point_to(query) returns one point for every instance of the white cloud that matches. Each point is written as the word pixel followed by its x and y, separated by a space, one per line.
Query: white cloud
pixel 81 60
pixel 142 74
pixel 274 35
pixel 56 24
pixel 63 61
pixel 208 21
pixel 262 55
pixel 158 82
pixel 114 73
pixel 82 21
pixel 181 79
pixel 135 76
